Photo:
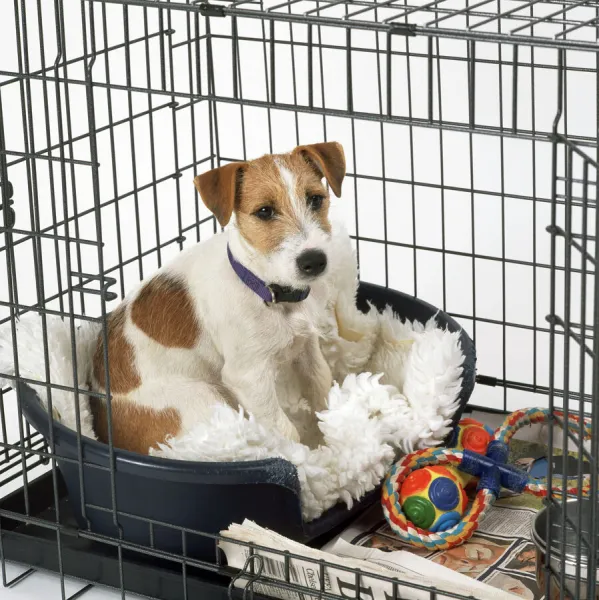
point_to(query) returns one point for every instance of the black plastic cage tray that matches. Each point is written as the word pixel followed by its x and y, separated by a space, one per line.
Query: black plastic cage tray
pixel 34 545
pixel 156 497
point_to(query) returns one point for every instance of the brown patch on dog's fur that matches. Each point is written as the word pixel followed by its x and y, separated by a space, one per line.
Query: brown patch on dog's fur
pixel 164 311
pixel 263 186
pixel 218 189
pixel 328 159
pixel 134 427
pixel 309 183
pixel 123 374
pixel 245 187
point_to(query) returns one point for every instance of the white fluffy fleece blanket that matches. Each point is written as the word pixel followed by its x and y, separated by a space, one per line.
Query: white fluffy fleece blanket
pixel 369 419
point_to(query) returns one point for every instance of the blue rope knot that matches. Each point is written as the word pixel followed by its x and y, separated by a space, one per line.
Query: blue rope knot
pixel 492 469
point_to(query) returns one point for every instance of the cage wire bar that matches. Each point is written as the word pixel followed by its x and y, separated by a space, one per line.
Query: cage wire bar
pixel 470 132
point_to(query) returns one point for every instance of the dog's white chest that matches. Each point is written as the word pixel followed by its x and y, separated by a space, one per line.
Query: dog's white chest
pixel 296 325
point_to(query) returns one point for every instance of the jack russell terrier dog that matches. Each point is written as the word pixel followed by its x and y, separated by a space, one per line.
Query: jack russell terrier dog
pixel 230 319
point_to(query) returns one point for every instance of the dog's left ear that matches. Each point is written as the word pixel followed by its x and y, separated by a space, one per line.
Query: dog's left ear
pixel 329 160
pixel 219 189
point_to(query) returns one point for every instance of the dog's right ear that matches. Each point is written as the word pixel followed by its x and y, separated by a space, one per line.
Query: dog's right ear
pixel 219 189
pixel 328 159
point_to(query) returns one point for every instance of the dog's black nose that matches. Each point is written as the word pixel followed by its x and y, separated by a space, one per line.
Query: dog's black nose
pixel 312 262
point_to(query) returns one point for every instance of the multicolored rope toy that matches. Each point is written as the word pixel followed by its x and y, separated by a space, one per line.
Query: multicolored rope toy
pixel 490 468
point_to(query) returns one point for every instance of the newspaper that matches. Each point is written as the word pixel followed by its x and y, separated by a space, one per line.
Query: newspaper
pixel 500 554
pixel 305 573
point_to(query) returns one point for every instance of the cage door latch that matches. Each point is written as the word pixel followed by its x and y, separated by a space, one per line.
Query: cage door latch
pixel 8 218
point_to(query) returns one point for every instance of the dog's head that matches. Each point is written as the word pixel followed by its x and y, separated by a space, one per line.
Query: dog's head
pixel 281 207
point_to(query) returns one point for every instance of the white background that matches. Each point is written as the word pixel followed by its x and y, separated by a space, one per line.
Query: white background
pixel 471 193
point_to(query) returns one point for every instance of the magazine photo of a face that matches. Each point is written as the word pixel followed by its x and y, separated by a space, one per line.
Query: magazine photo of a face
pixel 390 544
pixel 524 559
pixel 521 587
pixel 474 557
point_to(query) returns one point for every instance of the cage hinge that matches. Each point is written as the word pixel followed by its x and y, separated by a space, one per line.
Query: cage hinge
pixel 407 29
pixel 6 202
pixel 211 10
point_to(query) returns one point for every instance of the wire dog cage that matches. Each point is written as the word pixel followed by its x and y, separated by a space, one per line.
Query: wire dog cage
pixel 470 129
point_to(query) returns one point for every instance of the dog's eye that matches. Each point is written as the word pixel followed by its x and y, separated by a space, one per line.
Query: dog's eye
pixel 315 201
pixel 265 213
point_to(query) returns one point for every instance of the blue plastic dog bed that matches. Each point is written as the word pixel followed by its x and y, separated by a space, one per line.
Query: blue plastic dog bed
pixel 181 497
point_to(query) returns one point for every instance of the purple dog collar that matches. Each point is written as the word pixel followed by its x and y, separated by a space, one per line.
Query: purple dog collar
pixel 271 294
